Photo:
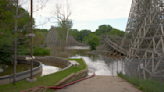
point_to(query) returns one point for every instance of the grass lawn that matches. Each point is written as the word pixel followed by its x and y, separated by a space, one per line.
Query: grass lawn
pixel 47 80
pixel 147 85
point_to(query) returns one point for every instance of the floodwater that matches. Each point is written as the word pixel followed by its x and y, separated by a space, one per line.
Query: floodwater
pixel 19 68
pixel 49 68
pixel 94 62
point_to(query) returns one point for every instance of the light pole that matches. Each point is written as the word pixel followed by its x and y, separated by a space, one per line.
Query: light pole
pixel 31 54
pixel 31 79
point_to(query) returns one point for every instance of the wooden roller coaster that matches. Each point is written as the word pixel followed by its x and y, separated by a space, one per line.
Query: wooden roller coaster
pixel 144 37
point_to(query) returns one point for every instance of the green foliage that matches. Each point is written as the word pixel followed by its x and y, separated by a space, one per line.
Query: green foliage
pixel 60 32
pixel 116 32
pixel 6 37
pixel 7 13
pixel 62 29
pixel 140 87
pixel 38 51
pixel 80 35
pixel 85 39
pixel 7 27
pixel 103 29
pixel 93 41
pixel 75 33
pixel 6 41
pixel 24 51
pixel 66 24
pixel 6 53
pixel 44 31
pixel 83 33
pixel 39 38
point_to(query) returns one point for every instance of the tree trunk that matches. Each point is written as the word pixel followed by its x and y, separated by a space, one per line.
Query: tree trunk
pixel 63 48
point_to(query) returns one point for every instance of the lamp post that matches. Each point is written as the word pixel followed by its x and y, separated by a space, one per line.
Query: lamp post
pixel 31 54
pixel 31 79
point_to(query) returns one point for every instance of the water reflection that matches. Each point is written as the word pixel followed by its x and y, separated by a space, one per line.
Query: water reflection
pixel 49 69
pixel 19 68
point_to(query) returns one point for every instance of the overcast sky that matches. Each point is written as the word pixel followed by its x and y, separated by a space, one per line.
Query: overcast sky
pixel 86 14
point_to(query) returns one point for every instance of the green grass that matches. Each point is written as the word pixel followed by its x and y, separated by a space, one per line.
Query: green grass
pixel 48 80
pixel 147 85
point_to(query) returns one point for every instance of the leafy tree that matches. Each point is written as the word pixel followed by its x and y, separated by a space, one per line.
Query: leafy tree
pixel 63 32
pixel 75 33
pixel 93 41
pixel 7 16
pixel 83 33
pixel 6 41
pixel 103 29
pixel 116 32
pixel 62 14
pixel 7 26
pixel 39 38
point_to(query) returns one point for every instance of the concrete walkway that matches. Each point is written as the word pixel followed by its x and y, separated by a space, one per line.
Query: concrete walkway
pixel 101 84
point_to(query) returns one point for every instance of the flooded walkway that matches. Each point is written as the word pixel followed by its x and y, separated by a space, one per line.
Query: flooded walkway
pixel 101 84
pixel 106 79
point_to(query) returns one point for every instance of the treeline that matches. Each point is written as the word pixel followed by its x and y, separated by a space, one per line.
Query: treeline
pixel 92 38
pixel 15 18
pixel 83 35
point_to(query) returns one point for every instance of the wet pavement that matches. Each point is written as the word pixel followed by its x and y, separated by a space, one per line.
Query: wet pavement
pixel 101 84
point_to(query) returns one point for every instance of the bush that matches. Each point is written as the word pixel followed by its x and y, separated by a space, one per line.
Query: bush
pixel 6 45
pixel 6 53
pixel 38 51
pixel 93 41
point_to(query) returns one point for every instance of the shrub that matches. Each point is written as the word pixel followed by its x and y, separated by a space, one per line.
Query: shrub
pixel 93 41
pixel 38 51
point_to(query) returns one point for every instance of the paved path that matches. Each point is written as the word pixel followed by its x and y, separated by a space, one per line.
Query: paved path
pixel 101 84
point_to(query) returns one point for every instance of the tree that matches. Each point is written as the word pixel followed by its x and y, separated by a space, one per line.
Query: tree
pixel 6 41
pixel 75 33
pixel 39 39
pixel 103 29
pixel 93 41
pixel 62 15
pixel 40 36
pixel 83 33
pixel 116 32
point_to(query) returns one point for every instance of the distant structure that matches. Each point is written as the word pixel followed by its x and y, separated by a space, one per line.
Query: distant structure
pixel 52 39
pixel 144 36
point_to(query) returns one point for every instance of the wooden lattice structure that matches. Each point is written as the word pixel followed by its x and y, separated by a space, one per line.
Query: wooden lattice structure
pixel 110 47
pixel 144 35
pixel 52 39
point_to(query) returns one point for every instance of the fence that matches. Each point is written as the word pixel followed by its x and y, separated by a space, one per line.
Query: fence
pixel 147 76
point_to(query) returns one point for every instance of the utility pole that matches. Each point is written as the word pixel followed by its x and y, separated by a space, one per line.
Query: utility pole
pixel 31 38
pixel 15 44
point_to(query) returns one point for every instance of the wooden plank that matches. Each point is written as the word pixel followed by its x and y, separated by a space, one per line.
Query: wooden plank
pixel 152 62
pixel 162 44
pixel 162 29
pixel 157 65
